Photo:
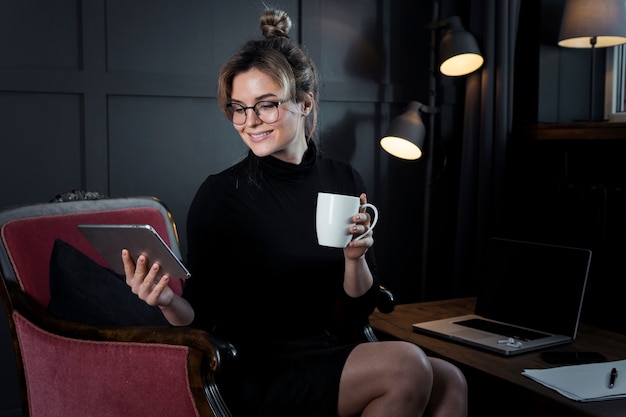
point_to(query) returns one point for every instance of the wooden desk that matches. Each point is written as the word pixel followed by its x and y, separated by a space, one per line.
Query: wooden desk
pixel 496 383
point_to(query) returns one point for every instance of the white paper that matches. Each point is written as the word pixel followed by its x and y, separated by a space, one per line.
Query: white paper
pixel 588 382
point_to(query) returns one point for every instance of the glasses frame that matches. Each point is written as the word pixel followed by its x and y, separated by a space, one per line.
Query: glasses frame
pixel 255 109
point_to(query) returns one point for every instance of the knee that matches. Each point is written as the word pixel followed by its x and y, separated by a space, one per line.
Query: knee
pixel 458 379
pixel 449 377
pixel 412 369
pixel 456 382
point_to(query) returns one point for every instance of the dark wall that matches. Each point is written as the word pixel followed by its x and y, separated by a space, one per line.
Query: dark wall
pixel 565 175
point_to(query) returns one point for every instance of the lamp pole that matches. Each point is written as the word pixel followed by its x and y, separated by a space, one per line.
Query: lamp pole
pixel 592 41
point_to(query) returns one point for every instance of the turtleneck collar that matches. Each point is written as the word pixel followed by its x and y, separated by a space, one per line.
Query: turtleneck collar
pixel 288 172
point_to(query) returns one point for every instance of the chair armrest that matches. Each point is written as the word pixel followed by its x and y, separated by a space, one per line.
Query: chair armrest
pixel 218 351
pixel 385 302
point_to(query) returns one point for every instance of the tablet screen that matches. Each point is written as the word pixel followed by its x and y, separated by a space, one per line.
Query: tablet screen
pixel 110 239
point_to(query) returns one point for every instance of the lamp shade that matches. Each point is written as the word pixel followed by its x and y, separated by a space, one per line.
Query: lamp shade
pixel 458 50
pixel 593 23
pixel 405 135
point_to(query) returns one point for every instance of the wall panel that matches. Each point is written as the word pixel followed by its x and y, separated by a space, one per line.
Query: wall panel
pixel 41 152
pixel 39 34
pixel 159 36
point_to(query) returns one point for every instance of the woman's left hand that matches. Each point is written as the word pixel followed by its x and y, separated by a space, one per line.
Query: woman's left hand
pixel 357 248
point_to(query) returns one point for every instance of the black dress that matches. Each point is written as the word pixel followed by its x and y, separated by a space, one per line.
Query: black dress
pixel 260 280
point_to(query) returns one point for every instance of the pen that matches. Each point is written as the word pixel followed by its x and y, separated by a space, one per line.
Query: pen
pixel 612 378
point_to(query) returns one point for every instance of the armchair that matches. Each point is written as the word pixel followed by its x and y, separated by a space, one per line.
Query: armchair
pixel 68 368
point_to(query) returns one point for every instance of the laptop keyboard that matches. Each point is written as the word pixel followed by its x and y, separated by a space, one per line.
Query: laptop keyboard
pixel 503 329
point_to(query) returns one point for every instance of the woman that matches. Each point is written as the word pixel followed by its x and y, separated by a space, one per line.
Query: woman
pixel 259 278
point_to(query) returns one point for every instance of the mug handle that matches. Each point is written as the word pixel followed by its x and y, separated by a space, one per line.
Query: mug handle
pixel 373 221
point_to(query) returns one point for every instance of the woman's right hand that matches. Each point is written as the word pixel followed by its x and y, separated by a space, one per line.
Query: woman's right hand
pixel 144 280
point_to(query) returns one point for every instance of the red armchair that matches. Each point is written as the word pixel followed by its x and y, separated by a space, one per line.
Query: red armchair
pixel 68 368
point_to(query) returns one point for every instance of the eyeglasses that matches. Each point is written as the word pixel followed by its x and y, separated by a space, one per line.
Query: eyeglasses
pixel 266 111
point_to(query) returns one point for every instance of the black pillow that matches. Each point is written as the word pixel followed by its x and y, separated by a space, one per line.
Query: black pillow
pixel 83 291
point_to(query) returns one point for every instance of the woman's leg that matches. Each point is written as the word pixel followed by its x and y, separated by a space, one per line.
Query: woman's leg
pixel 395 378
pixel 449 393
pixel 385 379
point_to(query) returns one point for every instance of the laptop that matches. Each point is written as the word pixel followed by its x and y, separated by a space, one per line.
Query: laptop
pixel 530 297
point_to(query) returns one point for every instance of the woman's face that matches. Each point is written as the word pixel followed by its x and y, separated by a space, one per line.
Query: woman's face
pixel 284 138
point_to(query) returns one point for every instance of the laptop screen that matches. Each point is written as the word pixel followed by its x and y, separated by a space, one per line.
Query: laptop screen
pixel 553 277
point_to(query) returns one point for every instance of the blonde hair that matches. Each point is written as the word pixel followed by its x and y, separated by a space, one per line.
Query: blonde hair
pixel 281 59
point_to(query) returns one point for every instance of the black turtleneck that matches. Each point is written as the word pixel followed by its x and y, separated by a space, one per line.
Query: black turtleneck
pixel 257 270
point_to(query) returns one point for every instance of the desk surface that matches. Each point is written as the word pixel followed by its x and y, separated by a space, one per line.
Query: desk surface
pixel 501 370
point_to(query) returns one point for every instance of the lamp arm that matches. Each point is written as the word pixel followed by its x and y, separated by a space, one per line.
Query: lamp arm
pixel 429 109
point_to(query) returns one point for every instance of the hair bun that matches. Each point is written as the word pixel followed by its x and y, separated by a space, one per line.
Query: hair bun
pixel 275 23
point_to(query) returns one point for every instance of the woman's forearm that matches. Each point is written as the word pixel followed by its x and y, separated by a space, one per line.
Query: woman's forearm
pixel 357 277
pixel 179 312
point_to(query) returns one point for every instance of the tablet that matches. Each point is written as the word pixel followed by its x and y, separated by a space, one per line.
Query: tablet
pixel 110 239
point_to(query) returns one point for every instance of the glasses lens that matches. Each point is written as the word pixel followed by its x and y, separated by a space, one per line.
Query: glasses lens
pixel 267 111
pixel 237 113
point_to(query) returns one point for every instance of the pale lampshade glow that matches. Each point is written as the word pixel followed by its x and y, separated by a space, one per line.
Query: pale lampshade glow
pixel 462 64
pixel 401 148
pixel 584 20
pixel 458 50
pixel 405 136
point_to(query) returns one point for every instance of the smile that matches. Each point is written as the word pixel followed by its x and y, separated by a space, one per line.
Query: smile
pixel 259 136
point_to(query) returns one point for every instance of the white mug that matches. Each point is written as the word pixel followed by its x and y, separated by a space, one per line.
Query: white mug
pixel 334 218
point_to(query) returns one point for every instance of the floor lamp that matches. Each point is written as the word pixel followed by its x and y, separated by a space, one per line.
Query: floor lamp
pixel 593 24
pixel 405 137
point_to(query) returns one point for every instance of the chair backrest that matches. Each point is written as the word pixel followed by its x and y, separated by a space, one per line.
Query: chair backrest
pixel 28 232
